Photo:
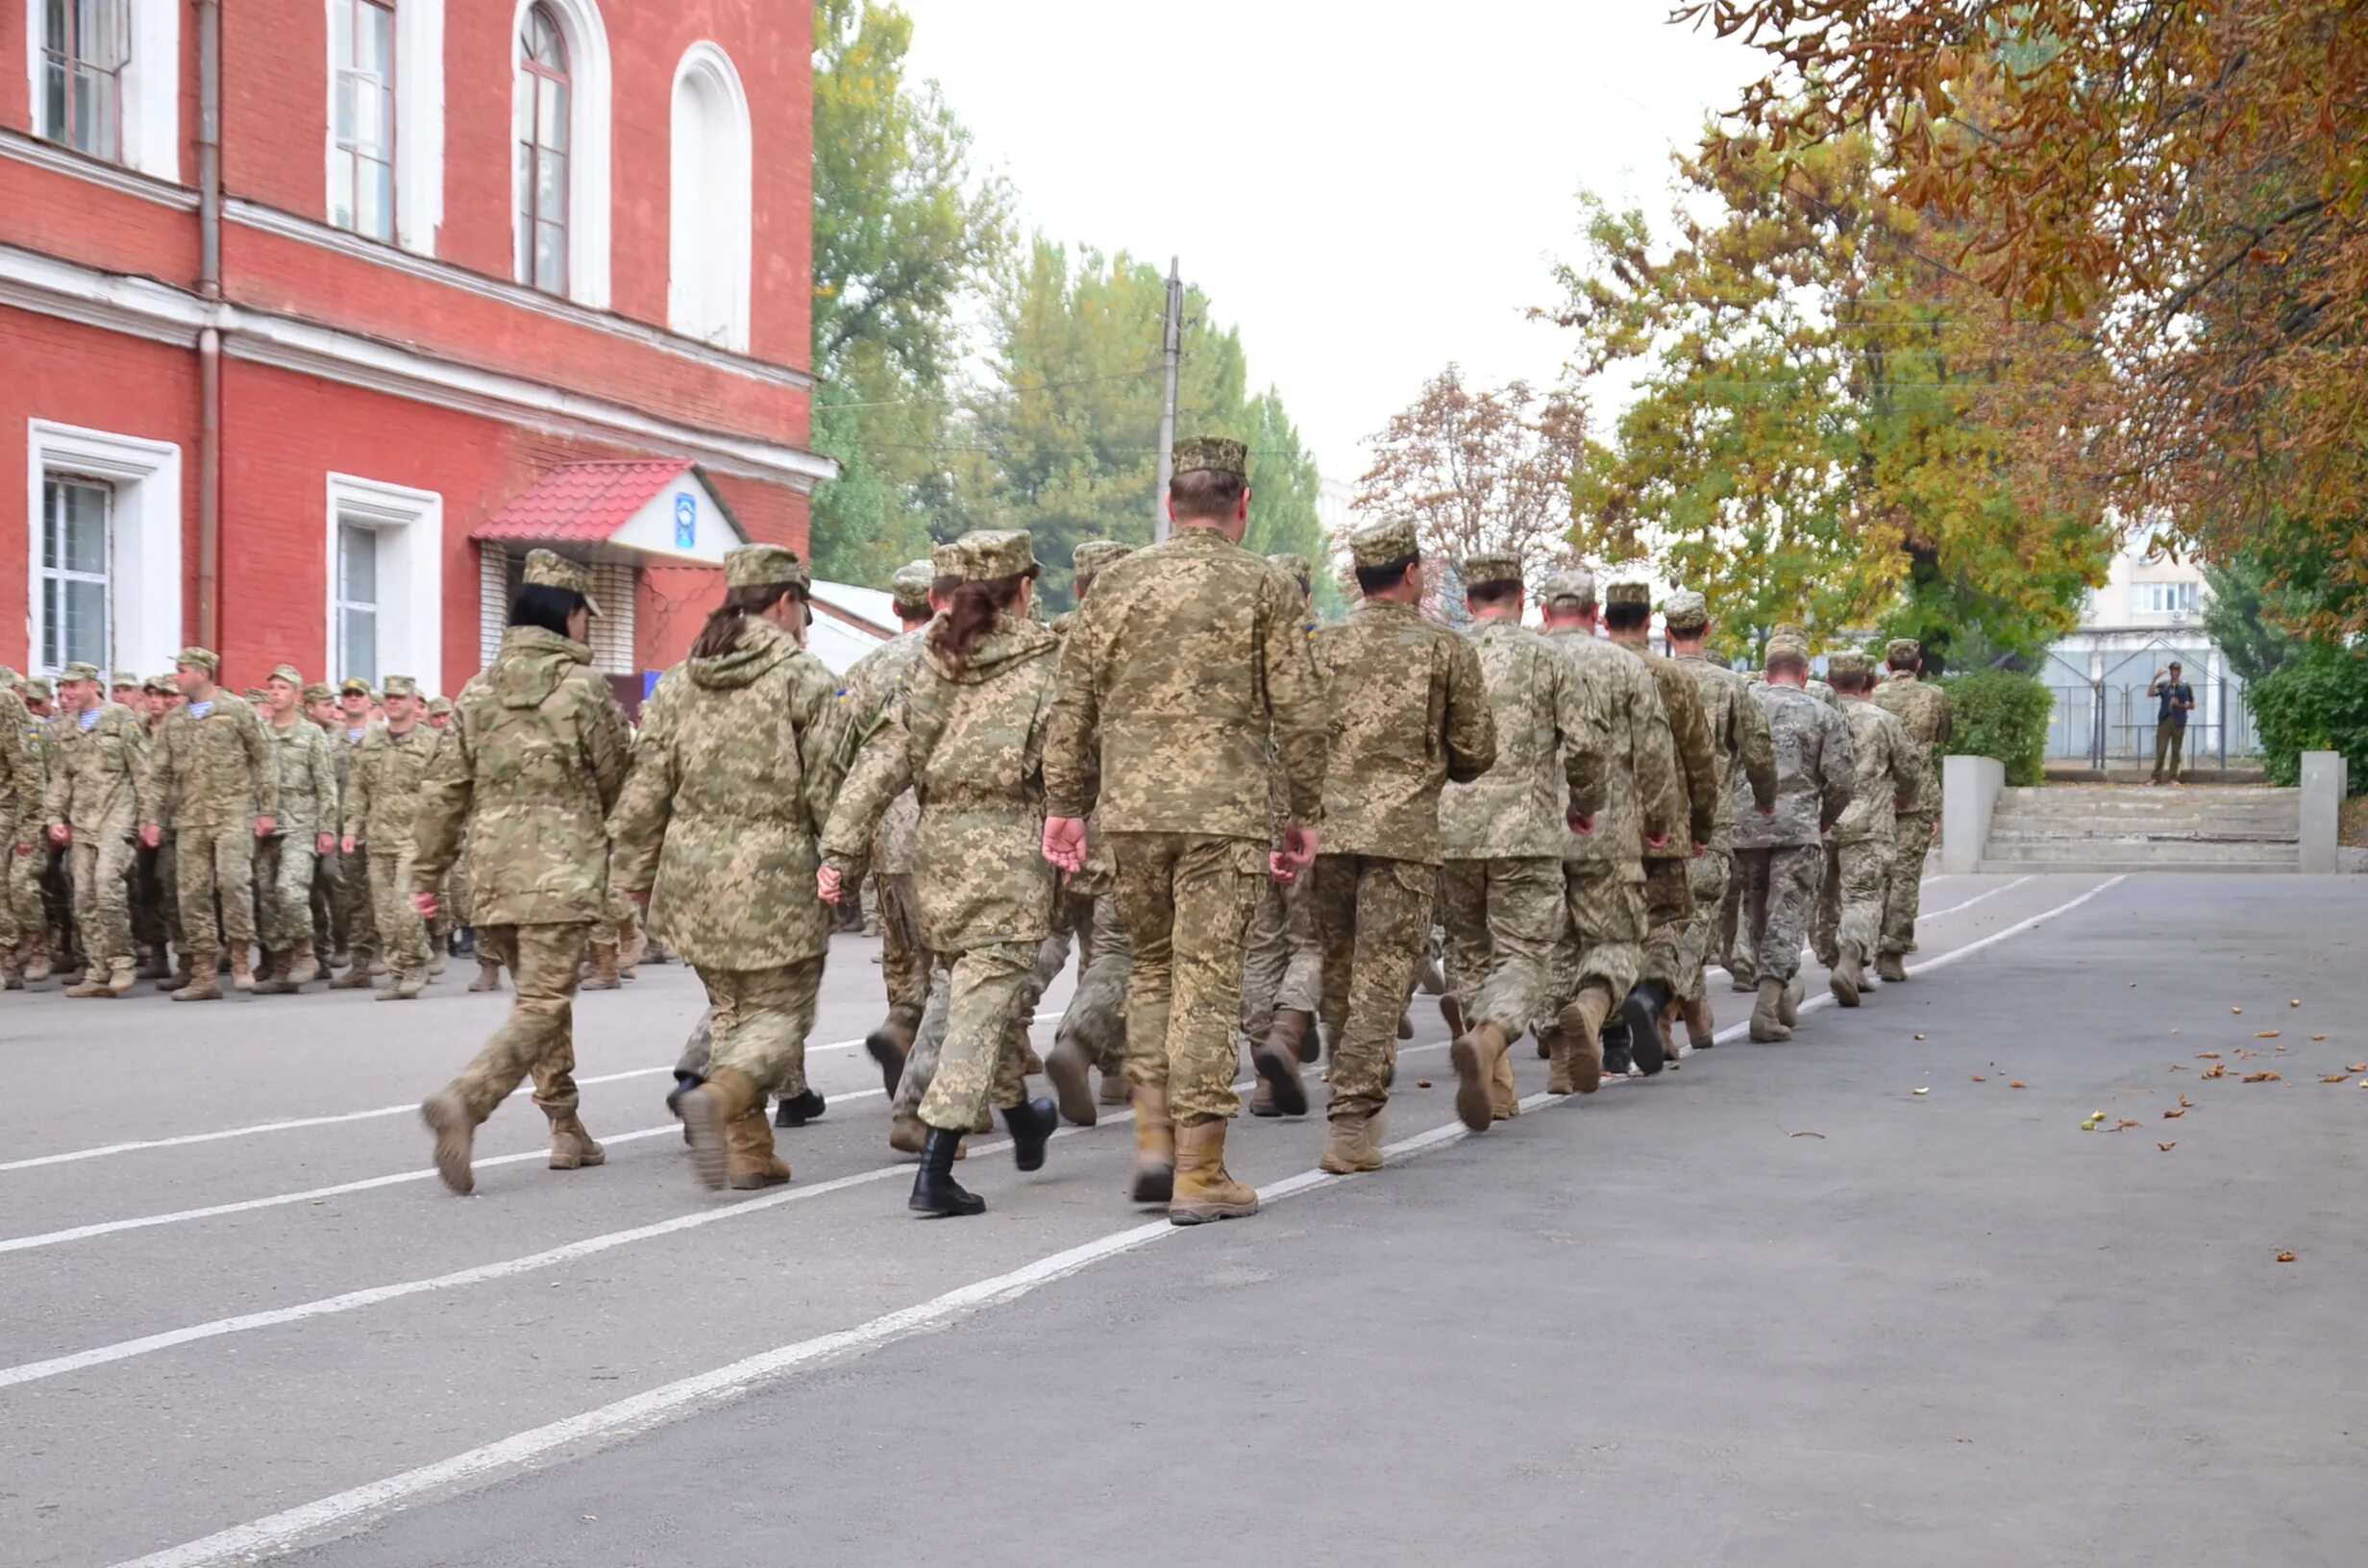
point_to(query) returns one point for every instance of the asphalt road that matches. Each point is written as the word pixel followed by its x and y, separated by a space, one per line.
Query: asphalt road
pixel 1774 1308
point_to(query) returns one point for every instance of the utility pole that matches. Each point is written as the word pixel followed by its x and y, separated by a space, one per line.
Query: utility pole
pixel 1173 350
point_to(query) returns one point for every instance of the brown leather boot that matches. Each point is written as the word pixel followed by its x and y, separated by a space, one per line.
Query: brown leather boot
pixel 1581 1024
pixel 1277 1061
pixel 303 966
pixel 907 1133
pixel 1203 1192
pixel 708 1111
pixel 1155 1152
pixel 488 975
pixel 604 975
pixel 1890 970
pixel 1475 1056
pixel 570 1146
pixel 1352 1145
pixel 751 1162
pixel 1768 1025
pixel 1849 976
pixel 456 1134
pixel 1072 1072
pixel 242 968
pixel 203 986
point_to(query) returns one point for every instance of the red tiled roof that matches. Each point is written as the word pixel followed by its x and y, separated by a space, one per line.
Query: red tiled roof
pixel 586 501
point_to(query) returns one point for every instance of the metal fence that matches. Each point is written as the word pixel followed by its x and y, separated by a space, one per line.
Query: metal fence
pixel 2105 718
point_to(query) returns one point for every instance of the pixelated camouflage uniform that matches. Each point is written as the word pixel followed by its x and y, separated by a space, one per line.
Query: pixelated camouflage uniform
pixel 353 910
pixel 309 807
pixel 1886 772
pixel 862 698
pixel 1668 868
pixel 1924 709
pixel 217 774
pixel 1780 860
pixel 22 790
pixel 94 793
pixel 1747 763
pixel 383 799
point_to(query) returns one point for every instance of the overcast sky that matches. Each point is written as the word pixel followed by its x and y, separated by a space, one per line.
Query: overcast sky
pixel 1395 180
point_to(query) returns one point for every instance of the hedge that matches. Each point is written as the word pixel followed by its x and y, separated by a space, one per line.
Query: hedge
pixel 2317 703
pixel 1998 713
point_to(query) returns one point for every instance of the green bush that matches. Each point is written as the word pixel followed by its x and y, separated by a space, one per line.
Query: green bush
pixel 2000 714
pixel 2317 703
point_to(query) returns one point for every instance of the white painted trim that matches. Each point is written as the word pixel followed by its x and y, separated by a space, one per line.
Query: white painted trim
pixel 48 286
pixel 144 554
pixel 115 177
pixel 288 226
pixel 588 150
pixel 711 201
pixel 411 575
pixel 419 122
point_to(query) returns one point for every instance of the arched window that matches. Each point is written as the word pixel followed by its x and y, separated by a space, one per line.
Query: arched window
pixel 560 130
pixel 544 114
pixel 710 196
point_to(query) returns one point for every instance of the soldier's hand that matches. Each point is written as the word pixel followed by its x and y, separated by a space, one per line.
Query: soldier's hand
pixel 152 836
pixel 425 903
pixel 60 833
pixel 265 827
pixel 1657 840
pixel 348 842
pixel 1065 843
pixel 1299 846
pixel 1700 850
pixel 1583 824
pixel 826 883
pixel 324 843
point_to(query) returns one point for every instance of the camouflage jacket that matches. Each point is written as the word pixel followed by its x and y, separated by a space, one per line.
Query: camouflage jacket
pixel 1549 752
pixel 1889 778
pixel 1701 778
pixel 862 699
pixel 533 761
pixel 21 784
pixel 1410 714
pixel 1738 730
pixel 972 747
pixel 213 773
pixel 311 801
pixel 1814 687
pixel 1814 771
pixel 94 776
pixel 1641 789
pixel 1186 664
pixel 732 773
pixel 383 791
pixel 1924 709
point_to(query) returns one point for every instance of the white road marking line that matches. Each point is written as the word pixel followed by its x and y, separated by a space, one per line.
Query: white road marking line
pixel 279 1531
pixel 1935 913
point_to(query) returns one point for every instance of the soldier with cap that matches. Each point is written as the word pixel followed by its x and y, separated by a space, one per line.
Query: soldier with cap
pixel 1746 764
pixel 124 689
pixel 307 829
pixel 1780 859
pixel 354 916
pixel 1888 778
pixel 214 765
pixel 1501 835
pixel 1924 709
pixel 965 730
pixel 156 883
pixel 30 873
pixel 94 805
pixel 534 765
pixel 1186 673
pixel 23 819
pixel 716 830
pixel 320 710
pixel 382 799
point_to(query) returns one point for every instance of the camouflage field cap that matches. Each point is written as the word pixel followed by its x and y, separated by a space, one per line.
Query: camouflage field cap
pixel 439 705
pixel 122 678
pixel 405 685
pixel 1218 454
pixel 1573 587
pixel 1686 611
pixel 990 554
pixel 1095 556
pixel 1629 593
pixel 202 658
pixel 79 672
pixel 1902 652
pixel 1848 663
pixel 290 674
pixel 33 686
pixel 945 560
pixel 909 588
pixel 1780 645
pixel 353 686
pixel 1383 544
pixel 1297 566
pixel 1789 629
pixel 1489 568
pixel 320 690
pixel 548 568
pixel 765 565
pixel 160 686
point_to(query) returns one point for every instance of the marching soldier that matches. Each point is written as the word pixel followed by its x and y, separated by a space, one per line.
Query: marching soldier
pixel 1739 960
pixel 356 918
pixel 383 798
pixel 1887 776
pixel 156 868
pixel 1282 979
pixel 94 805
pixel 1924 709
pixel 1779 860
pixel 307 829
pixel 30 874
pixel 215 768
pixel 22 819
pixel 321 712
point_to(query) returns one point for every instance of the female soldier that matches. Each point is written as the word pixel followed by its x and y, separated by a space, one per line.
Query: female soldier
pixel 966 733
pixel 716 830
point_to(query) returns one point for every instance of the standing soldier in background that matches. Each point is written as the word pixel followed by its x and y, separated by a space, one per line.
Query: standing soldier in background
pixel 1924 710
pixel 381 801
pixel 1737 954
pixel 1779 860
pixel 535 761
pixel 439 717
pixel 1668 868
pixel 321 712
pixel 1746 764
pixel 23 819
pixel 93 807
pixel 1186 671
pixel 357 919
pixel 1888 777
pixel 156 904
pixel 30 873
pixel 215 768
pixel 285 862
pixel 1501 835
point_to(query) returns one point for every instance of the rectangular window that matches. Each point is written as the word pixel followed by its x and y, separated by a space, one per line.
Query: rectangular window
pixel 76 593
pixel 362 163
pixel 85 46
pixel 358 602
pixel 2162 598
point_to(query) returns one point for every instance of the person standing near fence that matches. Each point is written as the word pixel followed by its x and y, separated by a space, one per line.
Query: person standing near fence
pixel 2174 699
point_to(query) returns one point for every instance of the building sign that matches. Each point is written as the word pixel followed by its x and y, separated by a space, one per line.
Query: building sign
pixel 686 520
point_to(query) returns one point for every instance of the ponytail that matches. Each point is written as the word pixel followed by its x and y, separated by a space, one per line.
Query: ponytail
pixel 970 615
pixel 725 622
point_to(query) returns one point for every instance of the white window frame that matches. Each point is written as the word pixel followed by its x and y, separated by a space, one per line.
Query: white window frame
pixel 143 553
pixel 419 124
pixel 105 577
pixel 710 205
pixel 410 573
pixel 587 144
pixel 149 85
pixel 339 606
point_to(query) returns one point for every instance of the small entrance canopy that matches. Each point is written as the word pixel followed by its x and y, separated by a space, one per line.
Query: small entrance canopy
pixel 652 513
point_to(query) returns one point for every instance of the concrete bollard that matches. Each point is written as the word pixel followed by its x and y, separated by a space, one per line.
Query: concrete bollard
pixel 2325 780
pixel 1969 794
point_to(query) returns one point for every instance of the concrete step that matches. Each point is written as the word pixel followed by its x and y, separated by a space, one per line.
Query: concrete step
pixel 2141 854
pixel 2107 867
pixel 2207 831
pixel 2139 796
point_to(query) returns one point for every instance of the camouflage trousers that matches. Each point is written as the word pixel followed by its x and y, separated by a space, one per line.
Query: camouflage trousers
pixel 1669 907
pixel 539 1035
pixel 1779 890
pixel 1603 930
pixel 983 1060
pixel 904 963
pixel 1187 900
pixel 284 867
pixel 1857 875
pixel 1095 1016
pixel 30 916
pixel 103 896
pixel 1284 966
pixel 758 1020
pixel 1712 874
pixel 1374 915
pixel 355 910
pixel 322 901
pixel 1502 918
pixel 1903 893
pixel 217 862
pixel 1825 916
pixel 617 910
pixel 402 934
pixel 1723 945
pixel 156 897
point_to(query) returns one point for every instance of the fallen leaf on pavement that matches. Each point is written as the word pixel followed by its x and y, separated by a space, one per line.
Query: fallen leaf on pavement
pixel 1923 1091
pixel 2166 1148
pixel 1422 1082
pixel 2185 1104
pixel 2208 1056
pixel 2236 1010
pixel 2296 1002
pixel 2337 1078
pixel 2285 1257
pixel 2127 1122
pixel 2215 1070
pixel 2265 1033
pixel 2017 1084
pixel 2262 1078
pixel 1979 1079
pixel 1808 1135
pixel 2173 1115
pixel 1919 1037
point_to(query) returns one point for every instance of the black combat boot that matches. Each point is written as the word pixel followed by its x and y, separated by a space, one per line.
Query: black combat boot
pixel 685 1083
pixel 1641 1013
pixel 935 1191
pixel 798 1109
pixel 1031 1123
pixel 1614 1040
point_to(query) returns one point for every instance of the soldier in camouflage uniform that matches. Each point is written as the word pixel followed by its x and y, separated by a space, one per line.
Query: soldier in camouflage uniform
pixel 21 818
pixel 1602 951
pixel 1186 672
pixel 535 764
pixel 1924 709
pixel 1889 776
pixel 716 828
pixel 320 708
pixel 1737 956
pixel 156 904
pixel 382 799
pixel 1501 835
pixel 1747 764
pixel 1410 714
pixel 1668 868
pixel 436 714
pixel 307 829
pixel 1779 860
pixel 92 807
pixel 28 870
pixel 355 915
pixel 216 767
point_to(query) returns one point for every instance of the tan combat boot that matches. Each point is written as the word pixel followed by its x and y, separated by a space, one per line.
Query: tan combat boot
pixel 437 963
pixel 1352 1145
pixel 94 982
pixel 1276 1061
pixel 355 978
pixel 11 971
pixel 122 974
pixel 1766 1021
pixel 603 976
pixel 1072 1072
pixel 1451 1013
pixel 1890 970
pixel 456 1133
pixel 1849 976
pixel 1581 1024
pixel 304 967
pixel 630 940
pixel 1701 1029
pixel 204 984
pixel 1203 1192
pixel 708 1111
pixel 1558 1057
pixel 36 959
pixel 570 1146
pixel 750 1160
pixel 1475 1056
pixel 1115 1088
pixel 907 1133
pixel 1156 1151
pixel 1504 1096
pixel 242 968
pixel 1788 1002
pixel 488 975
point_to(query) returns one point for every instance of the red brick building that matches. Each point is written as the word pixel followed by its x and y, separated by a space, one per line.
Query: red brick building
pixel 456 278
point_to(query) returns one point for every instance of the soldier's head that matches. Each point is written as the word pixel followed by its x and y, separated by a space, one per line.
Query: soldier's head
pixel 193 671
pixel 909 591
pixel 124 688
pixel 158 694
pixel 1687 615
pixel 1493 585
pixel 1088 562
pixel 36 696
pixel 555 594
pixel 321 705
pixel 761 582
pixel 1787 662
pixel 998 569
pixel 1903 654
pixel 1388 560
pixel 78 688
pixel 1852 674
pixel 1628 612
pixel 400 697
pixel 354 697
pixel 439 713
pixel 285 691
pixel 1568 600
pixel 1211 485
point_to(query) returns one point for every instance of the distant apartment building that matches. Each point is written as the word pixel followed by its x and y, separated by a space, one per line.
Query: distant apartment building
pixel 2149 612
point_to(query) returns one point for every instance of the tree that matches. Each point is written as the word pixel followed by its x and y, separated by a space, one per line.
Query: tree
pixel 2242 618
pixel 1284 486
pixel 1478 470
